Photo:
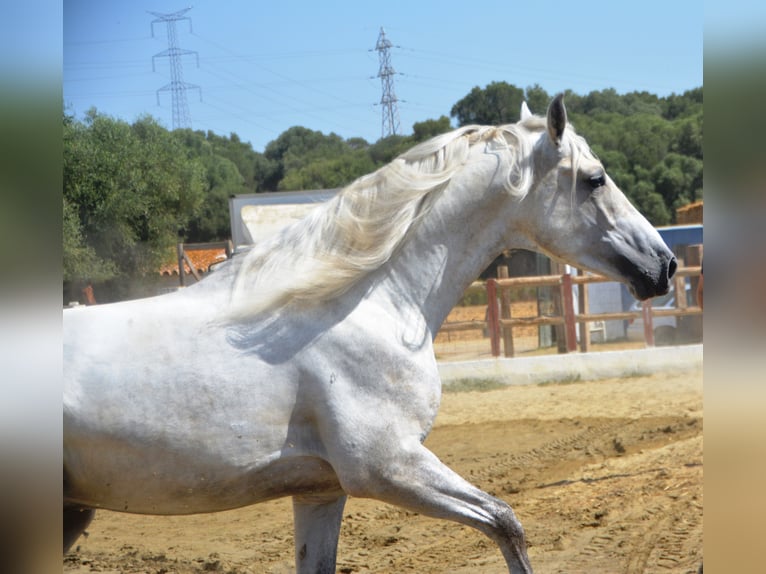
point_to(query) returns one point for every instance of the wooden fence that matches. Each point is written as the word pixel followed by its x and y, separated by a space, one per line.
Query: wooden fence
pixel 500 323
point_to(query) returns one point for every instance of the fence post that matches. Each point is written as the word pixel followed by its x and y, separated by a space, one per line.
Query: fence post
pixel 584 302
pixel 693 324
pixel 646 314
pixel 492 319
pixel 694 258
pixel 570 330
pixel 181 270
pixel 505 313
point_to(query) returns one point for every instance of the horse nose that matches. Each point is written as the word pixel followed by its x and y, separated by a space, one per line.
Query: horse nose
pixel 672 266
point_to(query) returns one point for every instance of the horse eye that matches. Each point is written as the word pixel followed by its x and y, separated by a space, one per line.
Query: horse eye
pixel 597 181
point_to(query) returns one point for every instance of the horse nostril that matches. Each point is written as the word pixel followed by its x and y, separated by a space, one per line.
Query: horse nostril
pixel 672 266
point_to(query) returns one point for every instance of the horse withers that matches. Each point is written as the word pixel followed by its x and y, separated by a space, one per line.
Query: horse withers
pixel 305 367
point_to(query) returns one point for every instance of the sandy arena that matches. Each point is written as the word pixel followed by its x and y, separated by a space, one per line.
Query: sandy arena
pixel 606 476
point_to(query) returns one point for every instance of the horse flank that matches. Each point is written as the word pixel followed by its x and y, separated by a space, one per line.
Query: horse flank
pixel 339 242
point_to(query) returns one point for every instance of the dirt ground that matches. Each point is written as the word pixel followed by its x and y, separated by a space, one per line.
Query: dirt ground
pixel 605 476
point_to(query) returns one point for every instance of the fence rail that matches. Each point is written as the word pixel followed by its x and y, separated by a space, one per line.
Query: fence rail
pixel 500 324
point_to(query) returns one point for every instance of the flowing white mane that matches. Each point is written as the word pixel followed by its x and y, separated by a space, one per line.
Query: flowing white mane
pixel 342 240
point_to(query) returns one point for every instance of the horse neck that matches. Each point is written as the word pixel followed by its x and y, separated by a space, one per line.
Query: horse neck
pixel 465 230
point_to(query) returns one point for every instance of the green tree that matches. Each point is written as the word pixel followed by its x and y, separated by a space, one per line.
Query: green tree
pixel 386 149
pixel 682 105
pixel 498 103
pixel 239 153
pixel 537 99
pixel 299 146
pixel 688 136
pixel 650 203
pixel 223 180
pixel 422 131
pixel 81 263
pixel 357 143
pixel 678 179
pixel 132 188
pixel 644 138
pixel 329 173
pixel 601 101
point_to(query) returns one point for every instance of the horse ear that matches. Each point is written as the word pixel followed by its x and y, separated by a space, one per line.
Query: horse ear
pixel 557 119
pixel 525 113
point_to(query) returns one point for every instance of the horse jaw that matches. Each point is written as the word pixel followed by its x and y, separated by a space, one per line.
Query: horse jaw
pixel 645 274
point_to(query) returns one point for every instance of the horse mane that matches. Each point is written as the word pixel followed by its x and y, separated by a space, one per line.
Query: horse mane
pixel 359 229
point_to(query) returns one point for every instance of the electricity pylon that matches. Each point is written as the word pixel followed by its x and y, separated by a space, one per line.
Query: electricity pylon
pixel 177 87
pixel 388 100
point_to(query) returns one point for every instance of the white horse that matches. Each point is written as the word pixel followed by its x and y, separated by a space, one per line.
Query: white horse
pixel 305 367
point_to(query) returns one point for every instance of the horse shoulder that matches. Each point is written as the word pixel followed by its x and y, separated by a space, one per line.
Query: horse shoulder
pixel 366 363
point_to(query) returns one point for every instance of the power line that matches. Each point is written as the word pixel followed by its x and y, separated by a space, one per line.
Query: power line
pixel 177 87
pixel 280 98
pixel 386 72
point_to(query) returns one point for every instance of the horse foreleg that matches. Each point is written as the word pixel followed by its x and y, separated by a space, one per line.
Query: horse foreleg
pixel 417 480
pixel 317 528
pixel 76 520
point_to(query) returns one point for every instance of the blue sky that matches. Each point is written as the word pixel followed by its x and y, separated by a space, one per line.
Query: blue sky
pixel 267 66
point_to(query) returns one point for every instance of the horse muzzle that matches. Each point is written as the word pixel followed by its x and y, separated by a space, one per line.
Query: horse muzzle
pixel 650 281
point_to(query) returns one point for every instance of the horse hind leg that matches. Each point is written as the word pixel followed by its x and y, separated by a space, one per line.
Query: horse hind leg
pixel 76 520
pixel 317 529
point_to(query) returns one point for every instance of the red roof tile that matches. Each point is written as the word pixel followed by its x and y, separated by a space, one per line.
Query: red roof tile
pixel 201 258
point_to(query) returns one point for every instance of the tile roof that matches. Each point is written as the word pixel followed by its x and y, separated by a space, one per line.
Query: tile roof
pixel 201 258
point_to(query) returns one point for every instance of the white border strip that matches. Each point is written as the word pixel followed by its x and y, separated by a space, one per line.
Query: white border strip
pixel 576 366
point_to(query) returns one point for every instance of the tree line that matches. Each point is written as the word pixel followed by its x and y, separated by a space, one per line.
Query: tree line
pixel 133 190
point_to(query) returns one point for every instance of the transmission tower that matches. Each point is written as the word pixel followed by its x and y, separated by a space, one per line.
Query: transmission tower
pixel 386 74
pixel 177 87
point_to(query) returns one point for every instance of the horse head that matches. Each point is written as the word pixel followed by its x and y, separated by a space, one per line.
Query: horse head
pixel 589 223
